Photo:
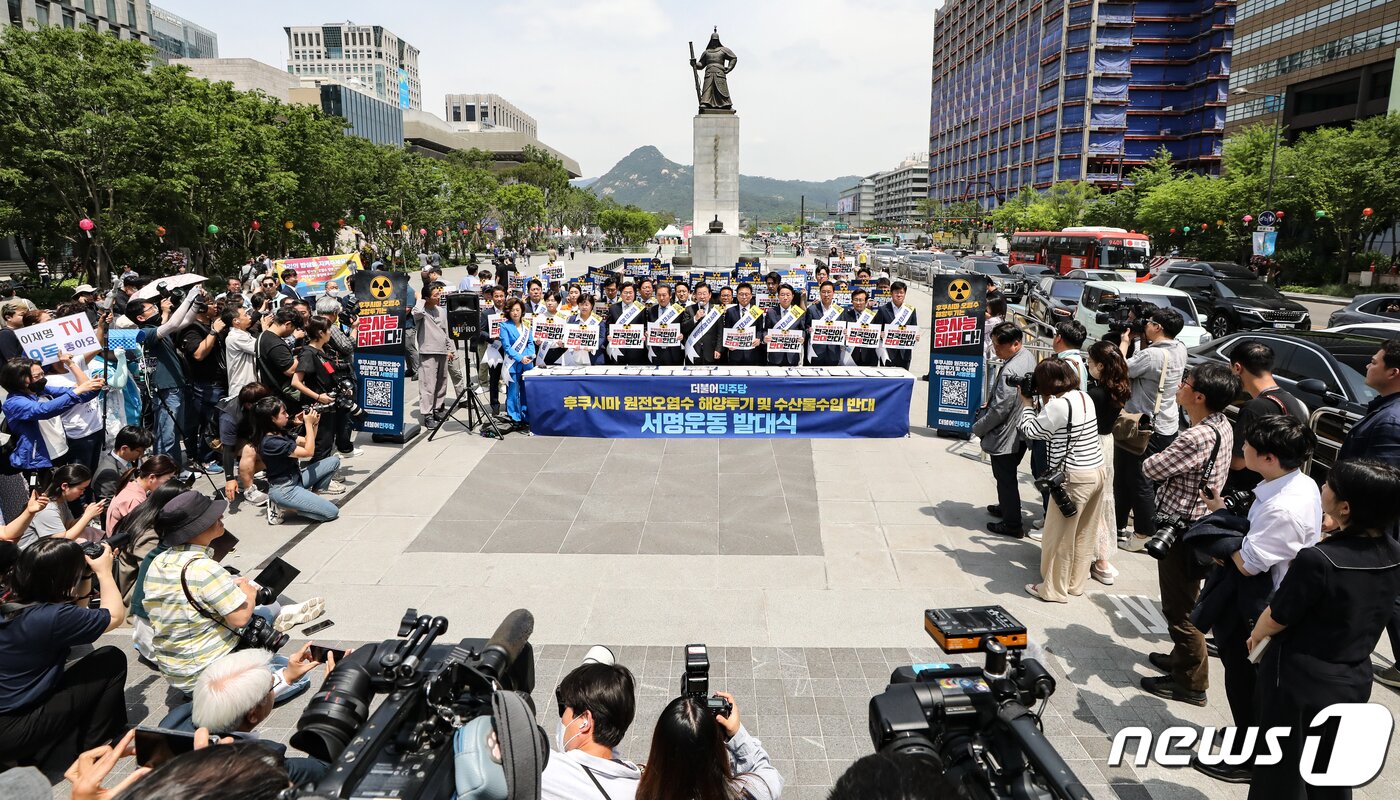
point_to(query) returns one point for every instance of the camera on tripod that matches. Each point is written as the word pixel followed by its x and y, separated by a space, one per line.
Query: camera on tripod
pixel 1121 315
pixel 434 696
pixel 975 722
pixel 695 681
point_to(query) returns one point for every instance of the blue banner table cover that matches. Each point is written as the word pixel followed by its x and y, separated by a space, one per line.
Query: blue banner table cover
pixel 726 402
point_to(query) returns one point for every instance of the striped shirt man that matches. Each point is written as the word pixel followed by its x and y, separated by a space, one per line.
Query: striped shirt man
pixel 185 641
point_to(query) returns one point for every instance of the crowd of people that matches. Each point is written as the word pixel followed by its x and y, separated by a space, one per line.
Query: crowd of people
pixel 1132 452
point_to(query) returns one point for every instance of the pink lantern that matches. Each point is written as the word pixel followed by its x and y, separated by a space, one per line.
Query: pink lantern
pixel 1366 212
pixel 1248 218
pixel 315 226
pixel 87 225
pixel 1278 214
pixel 422 231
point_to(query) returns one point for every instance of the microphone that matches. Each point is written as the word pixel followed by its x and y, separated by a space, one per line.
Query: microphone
pixel 505 644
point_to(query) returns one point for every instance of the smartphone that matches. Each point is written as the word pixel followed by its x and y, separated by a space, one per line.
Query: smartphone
pixel 155 746
pixel 319 653
pixel 318 627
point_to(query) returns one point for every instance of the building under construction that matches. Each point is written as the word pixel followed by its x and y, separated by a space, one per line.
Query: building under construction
pixel 1026 93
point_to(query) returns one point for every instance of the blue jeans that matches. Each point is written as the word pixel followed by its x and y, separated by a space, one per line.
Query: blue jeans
pixel 201 420
pixel 301 498
pixel 168 403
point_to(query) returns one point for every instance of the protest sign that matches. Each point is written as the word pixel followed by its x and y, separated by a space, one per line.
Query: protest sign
pixel 547 328
pixel 627 337
pixel 551 272
pixel 828 333
pixel 659 335
pixel 576 335
pixel 956 362
pixel 313 273
pixel 43 342
pixel 739 339
pixel 493 322
pixel 900 338
pixel 379 361
pixel 784 341
pixel 863 335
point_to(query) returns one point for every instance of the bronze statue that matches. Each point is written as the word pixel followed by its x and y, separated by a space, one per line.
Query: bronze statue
pixel 716 62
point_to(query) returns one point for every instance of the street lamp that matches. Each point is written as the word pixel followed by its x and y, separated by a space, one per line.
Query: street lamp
pixel 1278 127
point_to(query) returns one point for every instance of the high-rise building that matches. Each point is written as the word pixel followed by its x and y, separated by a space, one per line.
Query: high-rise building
pixel 856 206
pixel 1029 92
pixel 368 57
pixel 125 19
pixel 173 36
pixel 898 192
pixel 478 112
pixel 1313 63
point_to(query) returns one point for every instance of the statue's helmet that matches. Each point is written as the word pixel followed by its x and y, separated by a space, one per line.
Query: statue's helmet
pixel 714 39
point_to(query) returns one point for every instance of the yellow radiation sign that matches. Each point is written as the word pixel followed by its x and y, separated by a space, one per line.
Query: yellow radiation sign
pixel 960 290
pixel 381 287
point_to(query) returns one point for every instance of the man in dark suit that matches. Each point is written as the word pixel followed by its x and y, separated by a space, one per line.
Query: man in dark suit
pixel 706 347
pixel 897 313
pixel 858 314
pixel 630 356
pixel 825 310
pixel 787 316
pixel 289 284
pixel 671 314
pixel 756 355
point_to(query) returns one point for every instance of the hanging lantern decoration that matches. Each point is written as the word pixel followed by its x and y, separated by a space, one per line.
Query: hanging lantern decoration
pixel 1248 218
pixel 362 218
pixel 257 226
pixel 160 233
pixel 439 233
pixel 1205 226
pixel 315 226
pixel 1220 223
pixel 1319 213
pixel 340 222
pixel 289 224
pixel 422 231
pixel 1173 230
pixel 404 227
pixel 1366 212
pixel 388 223
pixel 213 229
pixel 86 225
pixel 1278 214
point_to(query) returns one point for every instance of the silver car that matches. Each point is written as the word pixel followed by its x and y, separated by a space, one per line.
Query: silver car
pixel 1368 308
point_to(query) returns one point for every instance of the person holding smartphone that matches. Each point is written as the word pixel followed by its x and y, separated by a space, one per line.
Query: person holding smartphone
pixel 49 714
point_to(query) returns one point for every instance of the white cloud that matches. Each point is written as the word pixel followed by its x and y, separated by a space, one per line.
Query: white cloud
pixel 823 87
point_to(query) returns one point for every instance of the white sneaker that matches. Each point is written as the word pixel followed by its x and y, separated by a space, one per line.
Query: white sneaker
pixel 298 613
pixel 334 487
pixel 1035 534
pixel 252 495
pixel 274 514
pixel 1133 544
pixel 358 451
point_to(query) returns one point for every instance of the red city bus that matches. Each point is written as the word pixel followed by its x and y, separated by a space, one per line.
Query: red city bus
pixel 1084 248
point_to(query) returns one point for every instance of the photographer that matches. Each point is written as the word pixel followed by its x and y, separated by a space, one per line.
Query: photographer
pixel 240 363
pixel 1253 362
pixel 290 487
pixel 275 362
pixel 1074 465
pixel 65 486
pixel 1197 460
pixel 1285 517
pixel 315 379
pixel 135 484
pixel 344 320
pixel 999 431
pixel 1326 617
pixel 240 458
pixel 137 536
pixel 29 404
pixel 597 702
pixel 699 755
pixel 167 378
pixel 199 342
pixel 49 714
pixel 1155 372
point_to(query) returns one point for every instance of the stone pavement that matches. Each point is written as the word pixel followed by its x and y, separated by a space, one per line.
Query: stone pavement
pixel 804 565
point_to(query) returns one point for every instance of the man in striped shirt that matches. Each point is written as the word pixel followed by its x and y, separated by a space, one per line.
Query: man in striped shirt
pixel 1198 459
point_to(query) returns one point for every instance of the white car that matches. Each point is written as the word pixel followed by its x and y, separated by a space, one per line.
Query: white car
pixel 1095 318
pixel 1380 330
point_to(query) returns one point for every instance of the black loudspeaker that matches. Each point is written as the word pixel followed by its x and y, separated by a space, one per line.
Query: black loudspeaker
pixel 463 314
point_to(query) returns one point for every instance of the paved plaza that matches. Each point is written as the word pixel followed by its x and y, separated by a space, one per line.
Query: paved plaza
pixel 805 565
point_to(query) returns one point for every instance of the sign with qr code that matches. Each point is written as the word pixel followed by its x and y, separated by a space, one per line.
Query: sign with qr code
pixel 379 360
pixel 956 361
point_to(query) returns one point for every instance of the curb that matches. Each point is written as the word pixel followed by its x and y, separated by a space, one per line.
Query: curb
pixel 1318 298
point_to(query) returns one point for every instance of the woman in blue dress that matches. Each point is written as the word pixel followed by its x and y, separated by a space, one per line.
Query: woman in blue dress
pixel 519 349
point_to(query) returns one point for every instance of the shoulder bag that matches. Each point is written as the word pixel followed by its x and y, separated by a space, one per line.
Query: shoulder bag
pixel 1133 431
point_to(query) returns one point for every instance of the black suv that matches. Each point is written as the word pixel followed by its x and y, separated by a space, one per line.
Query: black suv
pixel 1232 304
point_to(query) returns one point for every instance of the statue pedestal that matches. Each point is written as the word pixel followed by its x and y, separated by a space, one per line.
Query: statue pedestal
pixel 716 173
pixel 714 250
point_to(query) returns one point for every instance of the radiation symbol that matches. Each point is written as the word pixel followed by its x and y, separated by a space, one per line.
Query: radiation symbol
pixel 381 287
pixel 959 290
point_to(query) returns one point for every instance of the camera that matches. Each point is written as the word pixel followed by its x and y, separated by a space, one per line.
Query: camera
pixel 342 399
pixel 695 681
pixel 176 295
pixel 432 692
pixel 259 634
pixel 975 721
pixel 1053 484
pixel 349 310
pixel 1123 315
pixel 1169 528
pixel 1025 383
pixel 1237 501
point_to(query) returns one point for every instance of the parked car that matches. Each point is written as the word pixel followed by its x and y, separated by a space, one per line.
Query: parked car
pixel 1368 308
pixel 1380 330
pixel 1053 300
pixel 1232 304
pixel 1098 294
pixel 1031 273
pixel 1217 269
pixel 1012 286
pixel 1096 275
pixel 1325 370
pixel 947 262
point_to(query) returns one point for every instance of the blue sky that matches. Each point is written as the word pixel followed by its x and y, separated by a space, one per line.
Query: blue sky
pixel 823 87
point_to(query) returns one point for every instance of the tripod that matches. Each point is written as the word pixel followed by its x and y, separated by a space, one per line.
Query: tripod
pixel 476 412
pixel 153 393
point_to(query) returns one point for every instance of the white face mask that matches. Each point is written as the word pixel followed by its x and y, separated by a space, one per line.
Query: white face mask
pixel 559 730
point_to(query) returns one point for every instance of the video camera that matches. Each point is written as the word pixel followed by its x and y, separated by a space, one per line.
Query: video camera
pixel 1124 314
pixel 405 748
pixel 695 681
pixel 975 722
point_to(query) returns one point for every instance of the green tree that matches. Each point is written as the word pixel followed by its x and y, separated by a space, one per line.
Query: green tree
pixel 519 207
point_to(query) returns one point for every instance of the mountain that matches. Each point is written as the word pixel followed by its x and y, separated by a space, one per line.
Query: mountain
pixel 647 179
pixel 582 183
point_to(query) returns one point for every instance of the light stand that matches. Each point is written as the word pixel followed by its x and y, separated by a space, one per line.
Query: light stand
pixel 463 317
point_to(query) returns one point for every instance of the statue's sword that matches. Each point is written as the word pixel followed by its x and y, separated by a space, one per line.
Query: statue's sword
pixel 694 73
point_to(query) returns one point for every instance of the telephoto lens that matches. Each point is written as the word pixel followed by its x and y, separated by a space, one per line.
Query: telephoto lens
pixel 1063 501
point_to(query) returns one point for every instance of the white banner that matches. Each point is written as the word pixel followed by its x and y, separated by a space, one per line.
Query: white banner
pixel 43 342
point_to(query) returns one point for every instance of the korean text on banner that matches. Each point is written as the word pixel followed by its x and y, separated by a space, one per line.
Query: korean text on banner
pixel 379 360
pixel 44 342
pixel 580 336
pixel 956 360
pixel 313 273
pixel 785 342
